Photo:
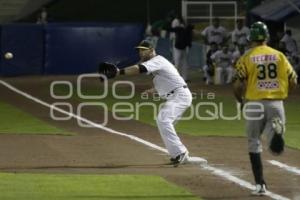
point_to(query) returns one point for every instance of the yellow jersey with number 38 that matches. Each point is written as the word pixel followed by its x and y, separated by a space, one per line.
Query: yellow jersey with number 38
pixel 266 72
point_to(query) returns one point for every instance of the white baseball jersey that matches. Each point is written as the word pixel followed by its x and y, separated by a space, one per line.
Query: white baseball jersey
pixel 240 36
pixel 222 59
pixel 166 77
pixel 213 34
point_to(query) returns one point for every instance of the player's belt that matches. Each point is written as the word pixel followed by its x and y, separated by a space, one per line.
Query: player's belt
pixel 173 91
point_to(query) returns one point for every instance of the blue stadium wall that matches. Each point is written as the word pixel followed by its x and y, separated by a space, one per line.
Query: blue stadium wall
pixel 67 48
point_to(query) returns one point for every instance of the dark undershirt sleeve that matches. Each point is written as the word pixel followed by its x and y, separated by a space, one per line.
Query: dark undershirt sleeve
pixel 143 69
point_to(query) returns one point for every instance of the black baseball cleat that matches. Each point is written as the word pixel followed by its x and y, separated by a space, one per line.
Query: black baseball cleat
pixel 277 141
pixel 180 159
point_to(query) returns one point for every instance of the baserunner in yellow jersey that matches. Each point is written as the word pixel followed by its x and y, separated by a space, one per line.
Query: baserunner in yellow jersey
pixel 262 81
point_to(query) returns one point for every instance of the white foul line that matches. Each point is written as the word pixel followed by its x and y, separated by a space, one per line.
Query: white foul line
pixel 214 170
pixel 294 170
pixel 28 96
pixel 241 182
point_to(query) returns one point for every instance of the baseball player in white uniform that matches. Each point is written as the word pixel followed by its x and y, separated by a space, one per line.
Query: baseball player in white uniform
pixel 171 87
pixel 290 43
pixel 223 62
pixel 240 34
pixel 215 33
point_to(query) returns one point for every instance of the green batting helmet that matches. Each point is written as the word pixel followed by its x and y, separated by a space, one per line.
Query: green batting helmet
pixel 259 32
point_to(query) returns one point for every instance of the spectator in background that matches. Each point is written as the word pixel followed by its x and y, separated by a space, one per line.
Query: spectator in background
pixel 215 33
pixel 275 40
pixel 223 66
pixel 209 68
pixel 183 41
pixel 288 46
pixel 240 34
pixel 154 31
pixel 157 27
pixel 176 22
pixel 150 35
pixel 42 16
pixel 290 43
pixel 293 58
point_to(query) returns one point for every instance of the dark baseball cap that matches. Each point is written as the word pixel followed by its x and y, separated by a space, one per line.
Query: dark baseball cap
pixel 145 44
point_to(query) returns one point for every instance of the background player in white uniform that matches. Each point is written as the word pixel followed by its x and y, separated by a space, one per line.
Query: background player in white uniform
pixel 170 86
pixel 215 33
pixel 290 43
pixel 240 34
pixel 223 65
pixel 209 68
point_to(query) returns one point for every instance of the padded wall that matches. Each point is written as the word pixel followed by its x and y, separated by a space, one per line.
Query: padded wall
pixel 75 49
pixel 26 42
pixel 67 48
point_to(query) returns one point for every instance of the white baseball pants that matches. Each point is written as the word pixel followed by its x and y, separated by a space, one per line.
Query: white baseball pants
pixel 223 75
pixel 176 104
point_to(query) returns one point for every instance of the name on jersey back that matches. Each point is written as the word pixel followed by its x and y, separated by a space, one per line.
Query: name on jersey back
pixel 264 58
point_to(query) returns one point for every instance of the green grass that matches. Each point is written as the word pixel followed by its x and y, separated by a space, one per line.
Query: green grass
pixel 293 123
pixel 87 187
pixel 194 126
pixel 197 126
pixel 15 121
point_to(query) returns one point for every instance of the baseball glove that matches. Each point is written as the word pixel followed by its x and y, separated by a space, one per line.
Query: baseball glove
pixel 277 142
pixel 109 70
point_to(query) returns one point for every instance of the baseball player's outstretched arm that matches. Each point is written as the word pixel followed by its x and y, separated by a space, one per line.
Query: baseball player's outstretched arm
pixel 133 70
pixel 110 70
pixel 150 91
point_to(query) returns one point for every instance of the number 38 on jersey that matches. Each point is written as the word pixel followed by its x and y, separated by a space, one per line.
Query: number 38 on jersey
pixel 267 71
